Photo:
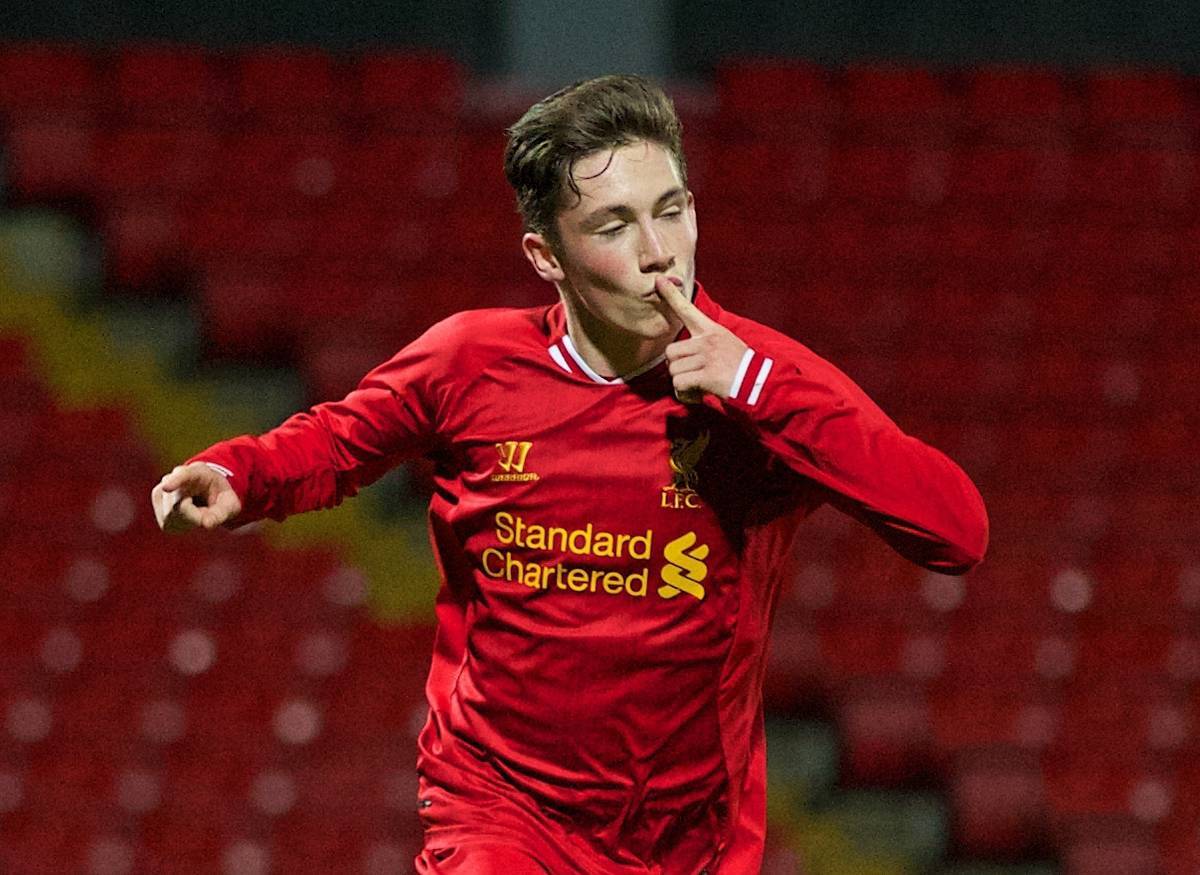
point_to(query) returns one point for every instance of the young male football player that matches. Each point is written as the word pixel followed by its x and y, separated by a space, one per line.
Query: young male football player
pixel 619 479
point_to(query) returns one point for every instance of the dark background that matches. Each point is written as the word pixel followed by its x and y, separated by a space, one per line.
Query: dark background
pixel 1159 34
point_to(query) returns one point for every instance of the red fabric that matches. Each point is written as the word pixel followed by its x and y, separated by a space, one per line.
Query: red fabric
pixel 611 559
pixel 478 860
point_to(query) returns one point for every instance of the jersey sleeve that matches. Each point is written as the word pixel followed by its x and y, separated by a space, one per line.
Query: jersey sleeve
pixel 819 423
pixel 316 458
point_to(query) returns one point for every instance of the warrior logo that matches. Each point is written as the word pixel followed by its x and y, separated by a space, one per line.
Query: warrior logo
pixel 512 461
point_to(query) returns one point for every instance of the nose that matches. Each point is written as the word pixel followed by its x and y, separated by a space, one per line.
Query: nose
pixel 653 256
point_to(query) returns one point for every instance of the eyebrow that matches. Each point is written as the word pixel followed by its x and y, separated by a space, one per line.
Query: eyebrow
pixel 623 211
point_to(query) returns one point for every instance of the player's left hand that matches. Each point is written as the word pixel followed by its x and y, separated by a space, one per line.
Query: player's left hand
pixel 707 361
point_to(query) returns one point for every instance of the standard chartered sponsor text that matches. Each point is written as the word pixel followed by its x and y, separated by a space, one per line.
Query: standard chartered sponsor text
pixel 512 530
pixel 587 541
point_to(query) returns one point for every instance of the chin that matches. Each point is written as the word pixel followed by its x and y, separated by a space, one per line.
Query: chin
pixel 655 328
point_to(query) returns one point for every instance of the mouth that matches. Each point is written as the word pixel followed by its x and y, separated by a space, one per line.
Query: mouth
pixel 652 295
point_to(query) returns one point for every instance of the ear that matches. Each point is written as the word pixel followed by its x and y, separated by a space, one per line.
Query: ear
pixel 541 255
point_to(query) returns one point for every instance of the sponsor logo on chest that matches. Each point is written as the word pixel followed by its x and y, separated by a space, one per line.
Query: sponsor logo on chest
pixel 571 552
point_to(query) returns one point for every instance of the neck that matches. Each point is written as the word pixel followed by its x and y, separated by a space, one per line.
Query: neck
pixel 609 352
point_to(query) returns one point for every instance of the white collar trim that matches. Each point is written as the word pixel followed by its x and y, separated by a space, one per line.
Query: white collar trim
pixel 596 378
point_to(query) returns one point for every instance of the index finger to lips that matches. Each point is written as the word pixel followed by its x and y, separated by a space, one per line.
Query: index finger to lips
pixel 691 316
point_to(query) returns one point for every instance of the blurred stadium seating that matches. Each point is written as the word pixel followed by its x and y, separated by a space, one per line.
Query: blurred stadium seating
pixel 1005 257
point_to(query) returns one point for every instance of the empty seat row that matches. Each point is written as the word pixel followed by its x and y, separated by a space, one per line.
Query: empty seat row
pixel 1010 102
pixel 171 83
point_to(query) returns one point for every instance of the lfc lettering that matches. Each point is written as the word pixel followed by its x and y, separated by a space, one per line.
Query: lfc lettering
pixel 677 499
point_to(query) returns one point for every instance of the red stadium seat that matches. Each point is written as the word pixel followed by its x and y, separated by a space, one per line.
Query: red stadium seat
pixel 178 161
pixel 1013 582
pixel 877 175
pixel 143 244
pixel 16 354
pixel 240 315
pixel 1093 784
pixel 1134 106
pixel 765 94
pixel 181 845
pixel 404 170
pixel 1011 177
pixel 988 245
pixel 1112 847
pixel 1015 712
pixel 168 84
pixel 102 428
pixel 37 79
pixel 795 669
pixel 976 655
pixel 1136 651
pixel 230 235
pixel 24 393
pixel 1159 518
pixel 98 716
pixel 288 88
pixel 763 177
pixel 897 104
pixel 1161 179
pixel 35 844
pixel 406 244
pixel 64 779
pixel 408 90
pixel 885 732
pixel 1176 374
pixel 1162 446
pixel 853 649
pixel 362 708
pixel 51 157
pixel 998 803
pixel 280 169
pixel 479 169
pixel 1019 105
pixel 333 368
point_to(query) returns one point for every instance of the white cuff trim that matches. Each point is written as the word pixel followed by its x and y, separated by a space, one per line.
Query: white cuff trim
pixel 220 469
pixel 759 380
pixel 741 373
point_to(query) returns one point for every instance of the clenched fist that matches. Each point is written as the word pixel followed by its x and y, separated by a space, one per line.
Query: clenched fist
pixel 194 496
pixel 708 361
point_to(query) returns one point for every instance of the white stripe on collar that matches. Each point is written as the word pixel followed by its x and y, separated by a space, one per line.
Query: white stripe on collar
pixel 583 366
pixel 556 354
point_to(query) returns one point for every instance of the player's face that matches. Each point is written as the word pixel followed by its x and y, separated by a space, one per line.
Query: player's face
pixel 635 220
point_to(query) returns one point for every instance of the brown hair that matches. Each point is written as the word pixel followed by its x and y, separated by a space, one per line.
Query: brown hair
pixel 593 114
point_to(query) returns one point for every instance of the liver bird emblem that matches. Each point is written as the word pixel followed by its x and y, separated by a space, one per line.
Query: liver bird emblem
pixel 685 455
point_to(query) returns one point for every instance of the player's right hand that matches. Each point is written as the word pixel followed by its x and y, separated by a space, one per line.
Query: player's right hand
pixel 194 496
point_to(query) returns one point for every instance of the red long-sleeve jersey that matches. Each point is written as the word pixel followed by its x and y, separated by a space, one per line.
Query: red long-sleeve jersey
pixel 610 560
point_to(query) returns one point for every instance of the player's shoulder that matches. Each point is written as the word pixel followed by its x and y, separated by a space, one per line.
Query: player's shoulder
pixel 763 337
pixel 781 347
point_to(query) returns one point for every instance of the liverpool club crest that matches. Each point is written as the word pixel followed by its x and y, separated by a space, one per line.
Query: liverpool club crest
pixel 685 456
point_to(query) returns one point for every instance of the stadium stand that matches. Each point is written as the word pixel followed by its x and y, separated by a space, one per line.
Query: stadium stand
pixel 1004 257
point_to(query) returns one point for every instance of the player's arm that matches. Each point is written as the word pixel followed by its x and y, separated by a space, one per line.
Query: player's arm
pixel 823 426
pixel 314 459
